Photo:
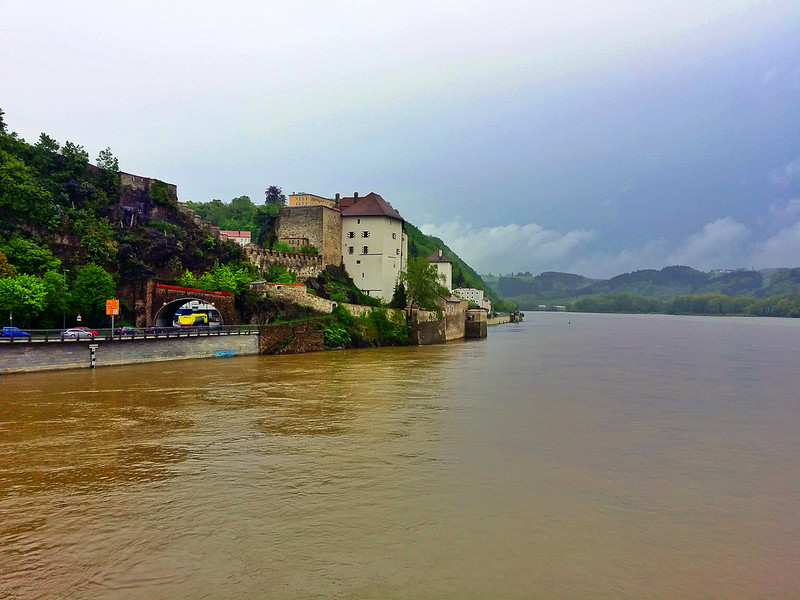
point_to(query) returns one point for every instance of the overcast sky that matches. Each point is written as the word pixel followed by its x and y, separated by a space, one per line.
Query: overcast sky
pixel 594 137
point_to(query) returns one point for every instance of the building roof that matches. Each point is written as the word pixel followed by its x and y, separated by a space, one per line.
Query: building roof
pixel 438 256
pixel 455 299
pixel 235 233
pixel 371 205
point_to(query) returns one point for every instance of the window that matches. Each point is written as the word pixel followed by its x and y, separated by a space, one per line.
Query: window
pixel 365 234
pixel 397 251
pixel 351 234
pixel 350 249
pixel 365 250
pixel 358 221
pixel 358 262
pixel 394 236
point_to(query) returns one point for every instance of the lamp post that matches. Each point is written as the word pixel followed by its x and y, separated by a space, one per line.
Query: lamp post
pixel 64 324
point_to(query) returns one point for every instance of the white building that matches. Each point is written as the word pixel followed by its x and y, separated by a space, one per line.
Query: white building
pixel 444 267
pixel 470 294
pixel 240 237
pixel 374 247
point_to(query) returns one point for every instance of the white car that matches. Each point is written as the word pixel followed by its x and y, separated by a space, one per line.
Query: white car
pixel 78 333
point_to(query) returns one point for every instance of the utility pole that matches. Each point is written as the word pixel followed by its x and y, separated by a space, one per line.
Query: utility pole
pixel 64 324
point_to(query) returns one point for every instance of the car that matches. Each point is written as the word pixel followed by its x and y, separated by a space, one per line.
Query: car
pixel 86 329
pixel 124 330
pixel 157 329
pixel 14 332
pixel 78 333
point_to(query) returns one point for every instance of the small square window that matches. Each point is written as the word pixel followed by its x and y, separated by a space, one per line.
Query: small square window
pixel 351 234
pixel 358 262
pixel 365 234
pixel 365 250
pixel 397 251
pixel 350 249
pixel 394 236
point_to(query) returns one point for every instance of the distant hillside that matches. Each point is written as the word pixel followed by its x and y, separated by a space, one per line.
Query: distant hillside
pixel 528 291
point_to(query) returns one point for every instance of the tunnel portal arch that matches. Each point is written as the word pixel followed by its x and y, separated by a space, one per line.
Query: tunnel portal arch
pixel 167 314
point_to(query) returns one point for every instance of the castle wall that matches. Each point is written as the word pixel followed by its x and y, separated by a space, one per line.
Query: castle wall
pixel 322 226
pixel 455 319
pixel 305 265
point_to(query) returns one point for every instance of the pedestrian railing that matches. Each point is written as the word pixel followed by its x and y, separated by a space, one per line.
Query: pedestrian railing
pixel 27 336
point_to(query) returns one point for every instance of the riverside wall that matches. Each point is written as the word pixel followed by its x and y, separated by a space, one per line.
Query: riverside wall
pixel 47 356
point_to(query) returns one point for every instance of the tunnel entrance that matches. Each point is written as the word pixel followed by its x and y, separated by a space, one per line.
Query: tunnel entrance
pixel 189 312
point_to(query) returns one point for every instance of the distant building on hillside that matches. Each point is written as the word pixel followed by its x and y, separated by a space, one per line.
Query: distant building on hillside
pixel 444 266
pixel 303 199
pixel 472 294
pixel 240 237
pixel 374 246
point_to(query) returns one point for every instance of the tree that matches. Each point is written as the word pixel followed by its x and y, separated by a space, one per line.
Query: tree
pixel 110 165
pixel 399 298
pixel 21 194
pixel 6 268
pixel 30 257
pixel 92 287
pixel 274 195
pixel 75 158
pixel 423 284
pixel 22 295
pixel 57 299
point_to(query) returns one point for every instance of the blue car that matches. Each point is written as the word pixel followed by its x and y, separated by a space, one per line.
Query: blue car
pixel 14 332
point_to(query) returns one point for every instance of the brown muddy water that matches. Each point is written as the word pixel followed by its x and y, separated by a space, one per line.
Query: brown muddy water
pixel 570 456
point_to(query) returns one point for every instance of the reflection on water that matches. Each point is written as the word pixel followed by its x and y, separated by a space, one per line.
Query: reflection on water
pixel 597 456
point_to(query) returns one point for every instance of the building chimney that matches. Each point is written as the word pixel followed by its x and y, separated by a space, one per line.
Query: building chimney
pixel 355 195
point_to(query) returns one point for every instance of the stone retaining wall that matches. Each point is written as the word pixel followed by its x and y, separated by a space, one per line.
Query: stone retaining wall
pixel 305 265
pixel 45 356
pixel 290 339
pixel 298 294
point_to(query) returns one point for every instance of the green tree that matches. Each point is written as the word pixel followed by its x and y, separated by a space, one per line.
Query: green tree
pixel 21 194
pixel 92 287
pixel 110 166
pixel 29 257
pixel 57 299
pixel 423 284
pixel 75 158
pixel 399 298
pixel 23 296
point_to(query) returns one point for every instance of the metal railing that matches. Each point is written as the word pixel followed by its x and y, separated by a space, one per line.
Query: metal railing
pixel 117 334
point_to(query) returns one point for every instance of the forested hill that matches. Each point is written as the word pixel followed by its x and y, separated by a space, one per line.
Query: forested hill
pixel 71 234
pixel 528 291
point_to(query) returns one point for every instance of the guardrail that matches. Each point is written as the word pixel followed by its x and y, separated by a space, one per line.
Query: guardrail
pixel 147 333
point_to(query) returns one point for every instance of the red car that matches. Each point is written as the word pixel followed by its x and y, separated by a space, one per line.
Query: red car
pixel 87 330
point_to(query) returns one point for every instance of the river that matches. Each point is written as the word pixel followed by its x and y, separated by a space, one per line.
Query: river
pixel 569 456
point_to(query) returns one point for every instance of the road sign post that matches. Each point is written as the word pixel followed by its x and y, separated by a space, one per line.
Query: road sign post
pixel 112 309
